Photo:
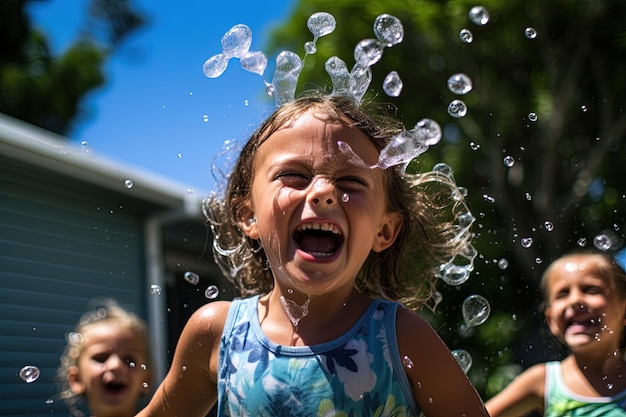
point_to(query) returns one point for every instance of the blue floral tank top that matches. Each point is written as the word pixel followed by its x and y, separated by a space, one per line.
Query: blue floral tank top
pixel 358 374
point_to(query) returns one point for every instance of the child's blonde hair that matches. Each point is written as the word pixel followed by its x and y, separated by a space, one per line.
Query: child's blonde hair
pixel 427 203
pixel 103 310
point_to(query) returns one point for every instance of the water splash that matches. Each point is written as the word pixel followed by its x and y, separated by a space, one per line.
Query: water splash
pixel 294 311
pixel 457 109
pixel 192 277
pixel 212 292
pixel 466 36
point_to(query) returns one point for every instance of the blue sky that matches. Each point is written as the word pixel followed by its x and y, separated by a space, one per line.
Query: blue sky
pixel 158 112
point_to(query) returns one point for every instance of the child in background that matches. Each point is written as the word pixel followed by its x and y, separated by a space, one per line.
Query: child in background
pixel 322 246
pixel 106 362
pixel 585 308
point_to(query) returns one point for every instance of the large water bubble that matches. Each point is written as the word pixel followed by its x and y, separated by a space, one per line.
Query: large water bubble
pixel 368 52
pixel 476 310
pixel 215 66
pixel 457 109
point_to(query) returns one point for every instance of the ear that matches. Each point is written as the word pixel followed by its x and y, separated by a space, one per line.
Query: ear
pixel 74 382
pixel 247 222
pixel 387 231
pixel 551 322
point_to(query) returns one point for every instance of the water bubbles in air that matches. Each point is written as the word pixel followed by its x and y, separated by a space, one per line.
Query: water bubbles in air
pixel 532 117
pixel 212 292
pixel 457 109
pixel 409 144
pixel 29 373
pixel 479 15
pixel 368 52
pixel 388 29
pixel 155 289
pixel 463 358
pixel 582 242
pixel 476 310
pixel 407 362
pixel 128 184
pixel 549 226
pixel 392 86
pixel 460 84
pixel 530 33
pixel 466 35
pixel 602 242
pixel 192 277
pixel 288 67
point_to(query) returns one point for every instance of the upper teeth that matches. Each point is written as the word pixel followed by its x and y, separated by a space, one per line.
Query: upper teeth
pixel 327 227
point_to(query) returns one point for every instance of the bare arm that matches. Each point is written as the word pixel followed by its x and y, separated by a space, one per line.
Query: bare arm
pixel 524 394
pixel 439 385
pixel 190 386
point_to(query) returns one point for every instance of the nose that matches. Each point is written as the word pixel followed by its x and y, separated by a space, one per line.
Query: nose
pixel 115 362
pixel 322 192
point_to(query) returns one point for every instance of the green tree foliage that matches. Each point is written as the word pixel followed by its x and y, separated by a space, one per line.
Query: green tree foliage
pixel 567 182
pixel 47 90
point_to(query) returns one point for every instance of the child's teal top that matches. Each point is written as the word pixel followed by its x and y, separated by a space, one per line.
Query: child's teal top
pixel 358 374
pixel 560 401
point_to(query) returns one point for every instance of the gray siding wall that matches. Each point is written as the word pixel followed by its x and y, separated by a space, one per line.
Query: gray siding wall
pixel 62 244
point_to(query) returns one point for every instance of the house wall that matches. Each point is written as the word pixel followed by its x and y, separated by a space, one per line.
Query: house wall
pixel 62 244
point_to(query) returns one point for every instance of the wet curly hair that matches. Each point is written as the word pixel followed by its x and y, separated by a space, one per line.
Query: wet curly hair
pixel 428 204
pixel 102 310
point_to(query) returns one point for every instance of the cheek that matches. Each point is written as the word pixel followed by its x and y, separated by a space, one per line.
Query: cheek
pixel 285 199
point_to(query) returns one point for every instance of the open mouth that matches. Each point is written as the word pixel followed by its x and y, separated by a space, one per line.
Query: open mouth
pixel 114 387
pixel 320 240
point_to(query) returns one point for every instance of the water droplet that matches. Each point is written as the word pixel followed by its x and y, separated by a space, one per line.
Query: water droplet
pixel 321 24
pixel 538 261
pixel 582 242
pixel 549 226
pixel 215 66
pixel 144 367
pixel 437 298
pixel 211 292
pixel 128 184
pixel 192 277
pixel 488 198
pixel 460 84
pixel 528 196
pixel 29 373
pixel 49 401
pixel 466 35
pixel 392 85
pixel 236 42
pixel 474 146
pixel 407 362
pixel 476 310
pixel 602 242
pixel 509 161
pixel 145 385
pixel 463 358
pixel 583 109
pixel 457 109
pixel 155 289
pixel 479 15
pixel 530 33
pixel 532 116
pixel 254 62
pixel 503 264
pixel 527 242
pixel 345 197
pixel 368 52
pixel 388 29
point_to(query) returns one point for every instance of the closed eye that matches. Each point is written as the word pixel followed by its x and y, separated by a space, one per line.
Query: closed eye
pixel 293 179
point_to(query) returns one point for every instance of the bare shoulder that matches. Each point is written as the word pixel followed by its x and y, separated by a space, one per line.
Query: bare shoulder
pixel 524 394
pixel 432 371
pixel 209 318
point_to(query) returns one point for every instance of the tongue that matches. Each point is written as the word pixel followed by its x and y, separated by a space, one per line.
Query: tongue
pixel 315 243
